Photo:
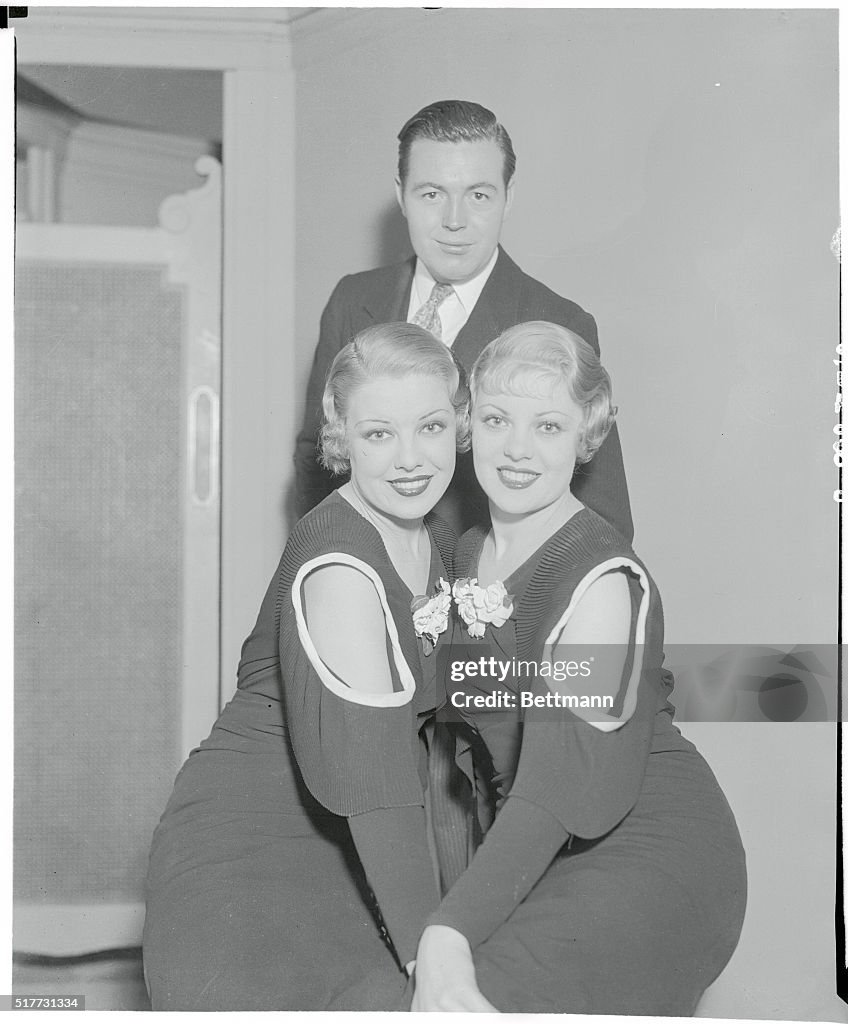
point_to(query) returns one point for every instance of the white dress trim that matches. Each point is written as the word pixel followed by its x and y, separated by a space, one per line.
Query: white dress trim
pixel 599 719
pixel 327 677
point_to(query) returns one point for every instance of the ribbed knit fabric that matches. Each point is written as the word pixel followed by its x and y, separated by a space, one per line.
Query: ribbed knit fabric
pixel 604 769
pixel 364 762
pixel 445 540
pixel 293 853
pixel 504 870
pixel 392 845
pixel 354 757
pixel 572 778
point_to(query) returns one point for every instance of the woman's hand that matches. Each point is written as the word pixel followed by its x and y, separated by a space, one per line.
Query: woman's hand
pixel 444 974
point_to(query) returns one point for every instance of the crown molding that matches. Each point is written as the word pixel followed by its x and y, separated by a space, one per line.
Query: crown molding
pixel 38 126
pixel 210 38
pixel 329 31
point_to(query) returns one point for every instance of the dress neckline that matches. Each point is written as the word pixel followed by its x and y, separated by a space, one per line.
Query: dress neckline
pixel 531 560
pixel 436 566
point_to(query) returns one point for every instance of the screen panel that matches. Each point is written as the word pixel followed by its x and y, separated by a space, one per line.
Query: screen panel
pixel 98 575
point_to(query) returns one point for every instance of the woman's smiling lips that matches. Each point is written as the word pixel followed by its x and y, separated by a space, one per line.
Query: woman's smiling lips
pixel 517 478
pixel 411 487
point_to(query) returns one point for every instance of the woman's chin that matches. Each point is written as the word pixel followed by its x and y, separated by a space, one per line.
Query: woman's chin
pixel 405 507
pixel 511 504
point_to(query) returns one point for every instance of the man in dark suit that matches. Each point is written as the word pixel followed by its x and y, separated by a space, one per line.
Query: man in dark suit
pixel 455 182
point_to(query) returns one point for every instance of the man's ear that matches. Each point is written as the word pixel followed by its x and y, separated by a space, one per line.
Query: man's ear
pixel 509 194
pixel 399 194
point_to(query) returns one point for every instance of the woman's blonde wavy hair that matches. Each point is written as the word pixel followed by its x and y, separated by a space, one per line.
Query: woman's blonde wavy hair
pixel 538 354
pixel 392 350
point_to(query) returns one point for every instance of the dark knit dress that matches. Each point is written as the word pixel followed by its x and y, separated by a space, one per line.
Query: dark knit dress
pixel 612 879
pixel 256 894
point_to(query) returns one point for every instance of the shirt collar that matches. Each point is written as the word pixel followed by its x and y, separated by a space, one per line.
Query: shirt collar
pixel 468 292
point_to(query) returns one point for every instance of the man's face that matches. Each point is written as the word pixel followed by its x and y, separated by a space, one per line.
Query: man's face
pixel 455 201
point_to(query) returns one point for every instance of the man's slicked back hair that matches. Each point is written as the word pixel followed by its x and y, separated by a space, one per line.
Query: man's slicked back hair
pixel 454 121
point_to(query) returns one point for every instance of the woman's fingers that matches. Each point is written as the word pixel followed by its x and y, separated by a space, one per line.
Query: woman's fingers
pixel 451 999
pixel 445 979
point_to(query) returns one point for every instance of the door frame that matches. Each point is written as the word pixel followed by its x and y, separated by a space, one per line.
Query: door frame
pixel 252 48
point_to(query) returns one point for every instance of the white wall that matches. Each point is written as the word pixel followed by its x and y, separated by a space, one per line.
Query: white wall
pixel 677 176
pixel 692 219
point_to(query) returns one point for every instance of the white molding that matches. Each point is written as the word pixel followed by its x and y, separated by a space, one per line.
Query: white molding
pixel 191 223
pixel 38 126
pixel 259 400
pixel 141 144
pixel 81 243
pixel 70 929
pixel 154 37
pixel 146 165
pixel 330 31
pixel 44 135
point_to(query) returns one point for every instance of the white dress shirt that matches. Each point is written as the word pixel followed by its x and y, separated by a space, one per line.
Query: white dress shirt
pixel 456 308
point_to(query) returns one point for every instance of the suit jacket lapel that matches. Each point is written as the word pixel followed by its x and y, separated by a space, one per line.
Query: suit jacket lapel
pixel 388 301
pixel 495 310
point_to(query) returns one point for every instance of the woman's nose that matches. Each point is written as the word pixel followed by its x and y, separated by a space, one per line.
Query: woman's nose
pixel 407 456
pixel 518 444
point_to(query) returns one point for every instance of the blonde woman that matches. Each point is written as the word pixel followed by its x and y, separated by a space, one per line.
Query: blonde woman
pixel 612 878
pixel 291 869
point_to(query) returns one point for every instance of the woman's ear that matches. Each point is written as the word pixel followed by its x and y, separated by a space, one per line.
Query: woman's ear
pixel 583 453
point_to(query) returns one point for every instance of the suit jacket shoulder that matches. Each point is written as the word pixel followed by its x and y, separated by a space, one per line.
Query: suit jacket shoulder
pixel 512 297
pixel 374 296
pixel 536 301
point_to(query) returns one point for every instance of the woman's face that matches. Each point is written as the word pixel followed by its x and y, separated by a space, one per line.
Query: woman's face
pixel 401 434
pixel 525 447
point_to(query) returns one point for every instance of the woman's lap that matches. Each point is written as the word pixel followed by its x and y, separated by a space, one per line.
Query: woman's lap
pixel 638 922
pixel 255 896
pixel 601 945
pixel 292 934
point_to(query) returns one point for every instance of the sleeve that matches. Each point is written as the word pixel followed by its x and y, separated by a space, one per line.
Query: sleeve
pixel 359 756
pixel 313 482
pixel 392 846
pixel 357 751
pixel 602 754
pixel 515 854
pixel 603 759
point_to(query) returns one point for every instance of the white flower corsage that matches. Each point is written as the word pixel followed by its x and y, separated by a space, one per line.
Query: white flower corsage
pixel 478 606
pixel 430 615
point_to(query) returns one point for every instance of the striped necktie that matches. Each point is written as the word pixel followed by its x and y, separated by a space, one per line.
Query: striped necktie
pixel 428 315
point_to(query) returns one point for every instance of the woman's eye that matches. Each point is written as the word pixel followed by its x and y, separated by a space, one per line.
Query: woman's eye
pixel 549 427
pixel 376 435
pixel 493 421
pixel 434 427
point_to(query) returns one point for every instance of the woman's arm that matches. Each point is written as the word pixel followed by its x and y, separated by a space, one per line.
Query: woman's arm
pixel 526 835
pixel 347 625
